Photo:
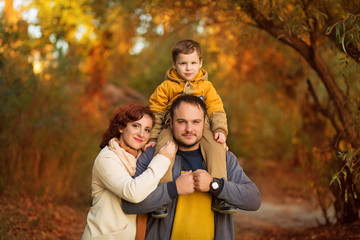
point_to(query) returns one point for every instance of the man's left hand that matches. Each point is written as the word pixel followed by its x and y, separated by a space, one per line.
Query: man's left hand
pixel 202 180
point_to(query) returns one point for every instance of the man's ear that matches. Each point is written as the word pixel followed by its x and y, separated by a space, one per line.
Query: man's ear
pixel 171 122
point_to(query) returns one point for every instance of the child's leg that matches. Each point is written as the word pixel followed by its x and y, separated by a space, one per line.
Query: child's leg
pixel 165 136
pixel 214 155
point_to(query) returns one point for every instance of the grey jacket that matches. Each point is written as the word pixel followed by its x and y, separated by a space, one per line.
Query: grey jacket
pixel 238 190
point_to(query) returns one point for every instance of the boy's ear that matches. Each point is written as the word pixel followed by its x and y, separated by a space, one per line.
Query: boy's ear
pixel 173 65
pixel 201 62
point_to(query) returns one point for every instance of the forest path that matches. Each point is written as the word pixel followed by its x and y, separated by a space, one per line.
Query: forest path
pixel 275 217
pixel 288 206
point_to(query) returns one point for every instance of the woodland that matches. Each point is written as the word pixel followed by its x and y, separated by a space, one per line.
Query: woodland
pixel 288 73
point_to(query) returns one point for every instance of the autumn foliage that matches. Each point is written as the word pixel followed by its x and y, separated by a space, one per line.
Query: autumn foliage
pixel 287 72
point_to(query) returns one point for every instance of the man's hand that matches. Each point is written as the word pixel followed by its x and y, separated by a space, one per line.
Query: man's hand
pixel 149 144
pixel 168 150
pixel 202 180
pixel 185 183
pixel 220 137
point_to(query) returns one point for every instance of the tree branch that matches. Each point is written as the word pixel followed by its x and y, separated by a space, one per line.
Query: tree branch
pixel 276 31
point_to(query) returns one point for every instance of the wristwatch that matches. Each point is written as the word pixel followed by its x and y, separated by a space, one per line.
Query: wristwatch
pixel 214 185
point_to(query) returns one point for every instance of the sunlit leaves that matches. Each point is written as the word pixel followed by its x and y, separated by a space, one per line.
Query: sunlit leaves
pixel 71 20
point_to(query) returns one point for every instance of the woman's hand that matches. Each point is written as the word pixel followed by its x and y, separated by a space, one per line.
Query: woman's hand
pixel 168 150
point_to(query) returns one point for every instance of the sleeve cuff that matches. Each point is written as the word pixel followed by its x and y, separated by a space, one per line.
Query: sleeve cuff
pixel 221 183
pixel 173 193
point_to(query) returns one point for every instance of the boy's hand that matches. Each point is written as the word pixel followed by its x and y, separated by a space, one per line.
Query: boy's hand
pixel 168 150
pixel 220 137
pixel 149 144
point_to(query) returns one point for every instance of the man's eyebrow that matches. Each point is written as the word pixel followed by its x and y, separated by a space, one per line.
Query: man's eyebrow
pixel 188 120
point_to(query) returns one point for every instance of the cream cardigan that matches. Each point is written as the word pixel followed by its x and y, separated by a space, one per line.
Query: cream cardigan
pixel 110 183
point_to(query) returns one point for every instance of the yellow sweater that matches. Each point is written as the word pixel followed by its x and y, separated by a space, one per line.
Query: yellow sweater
pixel 174 86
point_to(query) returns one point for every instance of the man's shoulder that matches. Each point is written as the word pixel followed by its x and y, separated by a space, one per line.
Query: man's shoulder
pixel 144 160
pixel 230 156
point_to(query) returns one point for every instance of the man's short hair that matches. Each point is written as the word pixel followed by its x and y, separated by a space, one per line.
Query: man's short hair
pixel 190 99
pixel 185 47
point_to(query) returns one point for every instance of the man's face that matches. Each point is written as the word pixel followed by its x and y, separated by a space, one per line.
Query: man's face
pixel 187 126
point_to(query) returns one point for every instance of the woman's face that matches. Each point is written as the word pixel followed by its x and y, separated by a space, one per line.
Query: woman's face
pixel 136 134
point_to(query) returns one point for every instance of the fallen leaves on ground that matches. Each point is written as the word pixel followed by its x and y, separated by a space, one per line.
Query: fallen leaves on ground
pixel 24 218
pixel 332 232
pixel 31 218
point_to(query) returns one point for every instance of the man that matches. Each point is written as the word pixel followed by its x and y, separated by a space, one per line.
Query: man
pixel 188 198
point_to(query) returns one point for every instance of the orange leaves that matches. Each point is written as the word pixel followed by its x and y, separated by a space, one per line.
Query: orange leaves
pixel 33 218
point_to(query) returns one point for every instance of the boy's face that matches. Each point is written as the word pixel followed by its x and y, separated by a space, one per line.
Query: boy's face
pixel 188 65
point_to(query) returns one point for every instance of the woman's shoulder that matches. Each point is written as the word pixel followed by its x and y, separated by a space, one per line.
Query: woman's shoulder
pixel 105 153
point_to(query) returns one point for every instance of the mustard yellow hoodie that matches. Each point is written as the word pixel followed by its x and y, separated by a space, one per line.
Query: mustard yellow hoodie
pixel 174 86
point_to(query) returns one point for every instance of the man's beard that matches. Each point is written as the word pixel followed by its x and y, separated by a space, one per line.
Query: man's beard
pixel 185 145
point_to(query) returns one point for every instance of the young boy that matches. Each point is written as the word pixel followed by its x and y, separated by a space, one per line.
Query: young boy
pixel 186 77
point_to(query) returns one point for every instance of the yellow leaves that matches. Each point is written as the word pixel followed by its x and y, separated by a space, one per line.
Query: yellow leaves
pixel 123 47
pixel 71 15
pixel 39 62
pixel 164 17
pixel 188 3
pixel 212 45
pixel 158 19
pixel 215 29
pixel 227 62
pixel 344 145
pixel 178 3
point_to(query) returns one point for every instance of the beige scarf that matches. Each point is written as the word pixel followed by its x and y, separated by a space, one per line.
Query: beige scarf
pixel 128 160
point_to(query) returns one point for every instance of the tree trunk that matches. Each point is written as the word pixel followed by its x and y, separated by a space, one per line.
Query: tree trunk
pixel 10 15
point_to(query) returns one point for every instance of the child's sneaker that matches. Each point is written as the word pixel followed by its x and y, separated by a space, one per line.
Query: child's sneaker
pixel 161 212
pixel 223 207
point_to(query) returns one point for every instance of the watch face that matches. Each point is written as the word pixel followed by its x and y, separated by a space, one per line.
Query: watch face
pixel 215 185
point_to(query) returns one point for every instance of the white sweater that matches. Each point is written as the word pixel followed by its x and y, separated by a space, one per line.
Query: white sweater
pixel 110 183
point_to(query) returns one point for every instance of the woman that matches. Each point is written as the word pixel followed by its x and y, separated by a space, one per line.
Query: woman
pixel 129 130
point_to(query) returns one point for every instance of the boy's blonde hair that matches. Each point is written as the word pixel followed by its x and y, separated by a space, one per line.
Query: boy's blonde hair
pixel 185 47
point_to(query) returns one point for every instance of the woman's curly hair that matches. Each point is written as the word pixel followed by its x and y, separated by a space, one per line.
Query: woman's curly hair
pixel 121 117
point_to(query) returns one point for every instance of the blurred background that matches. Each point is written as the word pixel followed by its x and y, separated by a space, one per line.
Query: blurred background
pixel 288 73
